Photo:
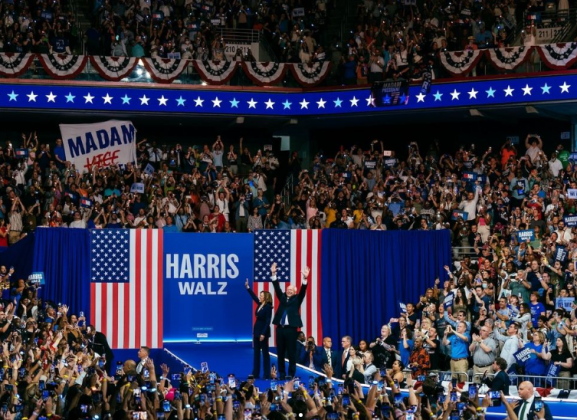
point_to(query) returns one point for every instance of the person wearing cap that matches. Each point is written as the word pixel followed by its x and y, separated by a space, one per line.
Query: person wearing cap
pixel 471 45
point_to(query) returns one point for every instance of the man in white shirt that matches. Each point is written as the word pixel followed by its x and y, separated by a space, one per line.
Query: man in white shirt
pixel 526 410
pixel 511 343
pixel 534 147
pixel 555 165
pixel 470 204
pixel 564 235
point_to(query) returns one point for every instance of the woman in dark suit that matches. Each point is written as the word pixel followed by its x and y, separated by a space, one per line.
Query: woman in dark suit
pixel 261 332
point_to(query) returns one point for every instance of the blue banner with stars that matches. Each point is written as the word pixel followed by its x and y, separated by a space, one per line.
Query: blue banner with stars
pixel 119 98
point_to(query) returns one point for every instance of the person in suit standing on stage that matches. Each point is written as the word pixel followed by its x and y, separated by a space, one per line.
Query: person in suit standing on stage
pixel 261 332
pixel 288 320
pixel 500 381
pixel 526 409
pixel 344 357
pixel 97 341
pixel 326 356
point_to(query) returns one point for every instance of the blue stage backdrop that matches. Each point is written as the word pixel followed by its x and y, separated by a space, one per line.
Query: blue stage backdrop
pixel 204 292
pixel 64 257
pixel 366 274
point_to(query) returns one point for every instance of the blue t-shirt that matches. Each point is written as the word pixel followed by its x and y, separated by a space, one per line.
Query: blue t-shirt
pixel 536 310
pixel 405 353
pixel 535 365
pixel 459 347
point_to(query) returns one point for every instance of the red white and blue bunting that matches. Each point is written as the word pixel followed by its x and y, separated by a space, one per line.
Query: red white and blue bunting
pixel 460 63
pixel 508 58
pixel 558 56
pixel 63 66
pixel 307 75
pixel 164 70
pixel 14 64
pixel 113 68
pixel 215 72
pixel 264 74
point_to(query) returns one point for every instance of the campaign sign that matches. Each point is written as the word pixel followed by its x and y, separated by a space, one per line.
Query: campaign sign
pixel 149 169
pixel 137 187
pixel 470 176
pixel 523 355
pixel 86 203
pixel 403 307
pixel 561 254
pixel 448 302
pixel 570 221
pixel 572 194
pixel 526 235
pixel 36 277
pixel 21 153
pixel 101 144
pixel 552 373
pixel 458 213
pixel 564 303
pixel 390 93
pixel 204 294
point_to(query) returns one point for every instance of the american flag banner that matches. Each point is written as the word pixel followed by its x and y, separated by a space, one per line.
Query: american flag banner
pixel 126 286
pixel 292 250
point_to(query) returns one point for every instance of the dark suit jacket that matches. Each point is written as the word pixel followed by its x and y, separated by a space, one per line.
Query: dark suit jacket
pixel 500 382
pixel 263 317
pixel 100 345
pixel 291 306
pixel 532 413
pixel 320 359
pixel 341 366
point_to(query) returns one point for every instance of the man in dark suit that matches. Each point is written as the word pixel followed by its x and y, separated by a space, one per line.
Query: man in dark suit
pixel 288 320
pixel 326 356
pixel 500 381
pixel 97 341
pixel 343 357
pixel 526 410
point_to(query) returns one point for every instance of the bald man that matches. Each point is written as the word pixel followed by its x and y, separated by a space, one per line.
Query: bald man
pixel 526 409
pixel 288 320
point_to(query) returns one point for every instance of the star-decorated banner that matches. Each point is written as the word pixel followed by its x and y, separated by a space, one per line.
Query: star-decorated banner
pixel 119 98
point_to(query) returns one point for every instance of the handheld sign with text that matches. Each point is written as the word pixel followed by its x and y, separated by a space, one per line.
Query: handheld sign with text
pixel 570 221
pixel 99 145
pixel 86 203
pixel 572 194
pixel 21 153
pixel 469 176
pixel 448 302
pixel 458 213
pixel 523 355
pixel 36 278
pixel 565 303
pixel 526 235
pixel 137 187
pixel 149 169
pixel 403 307
pixel 552 373
pixel 561 254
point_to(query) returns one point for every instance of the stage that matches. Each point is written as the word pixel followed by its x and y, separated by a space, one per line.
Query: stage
pixel 237 357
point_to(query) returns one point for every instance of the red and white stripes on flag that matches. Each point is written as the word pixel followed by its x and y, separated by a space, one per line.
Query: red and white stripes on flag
pixel 128 308
pixel 305 250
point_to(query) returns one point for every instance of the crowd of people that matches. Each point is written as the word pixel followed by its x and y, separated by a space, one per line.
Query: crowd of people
pixel 402 40
pixel 37 27
pixel 193 29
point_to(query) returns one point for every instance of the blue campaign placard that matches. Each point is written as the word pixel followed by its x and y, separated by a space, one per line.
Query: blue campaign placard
pixel 205 298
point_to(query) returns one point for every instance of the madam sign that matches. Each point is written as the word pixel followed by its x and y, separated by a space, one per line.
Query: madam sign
pixel 101 144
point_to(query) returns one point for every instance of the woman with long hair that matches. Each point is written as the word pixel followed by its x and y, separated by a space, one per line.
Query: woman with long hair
pixel 561 357
pixel 261 331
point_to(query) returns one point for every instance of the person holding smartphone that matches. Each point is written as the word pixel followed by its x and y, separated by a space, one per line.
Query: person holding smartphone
pixel 261 331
